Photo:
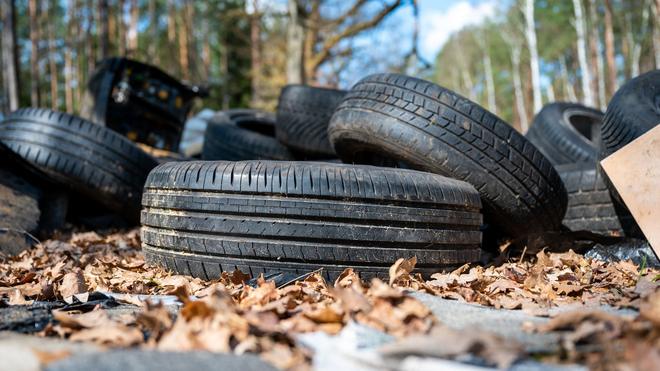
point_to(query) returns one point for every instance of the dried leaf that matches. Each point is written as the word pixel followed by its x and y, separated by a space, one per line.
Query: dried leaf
pixel 402 267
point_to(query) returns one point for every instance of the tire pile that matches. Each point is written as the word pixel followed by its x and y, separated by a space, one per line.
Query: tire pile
pixel 395 167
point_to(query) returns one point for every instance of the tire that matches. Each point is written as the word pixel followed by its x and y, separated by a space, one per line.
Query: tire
pixel 91 160
pixel 303 114
pixel 203 218
pixel 633 110
pixel 567 133
pixel 590 206
pixel 430 128
pixel 242 135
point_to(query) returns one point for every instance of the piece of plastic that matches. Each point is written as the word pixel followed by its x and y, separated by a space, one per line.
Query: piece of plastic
pixel 638 251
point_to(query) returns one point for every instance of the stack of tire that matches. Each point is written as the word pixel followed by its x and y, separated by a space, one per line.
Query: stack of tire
pixel 426 173
pixel 53 162
pixel 575 138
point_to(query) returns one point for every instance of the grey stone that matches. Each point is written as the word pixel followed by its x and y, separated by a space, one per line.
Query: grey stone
pixel 505 323
pixel 138 360
pixel 19 352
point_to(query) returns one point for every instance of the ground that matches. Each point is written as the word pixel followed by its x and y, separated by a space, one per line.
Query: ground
pixel 85 293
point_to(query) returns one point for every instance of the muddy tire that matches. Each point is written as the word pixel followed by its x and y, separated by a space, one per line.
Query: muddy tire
pixel 89 159
pixel 237 135
pixel 423 126
pixel 203 218
pixel 590 205
pixel 303 114
pixel 567 133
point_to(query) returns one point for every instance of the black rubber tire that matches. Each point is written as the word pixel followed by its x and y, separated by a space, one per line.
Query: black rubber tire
pixel 633 110
pixel 202 218
pixel 590 206
pixel 303 114
pixel 430 128
pixel 237 135
pixel 91 160
pixel 567 133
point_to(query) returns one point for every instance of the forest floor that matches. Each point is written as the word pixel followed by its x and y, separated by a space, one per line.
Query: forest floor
pixel 551 309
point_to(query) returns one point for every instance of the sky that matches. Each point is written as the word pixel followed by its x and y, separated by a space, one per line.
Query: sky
pixel 441 18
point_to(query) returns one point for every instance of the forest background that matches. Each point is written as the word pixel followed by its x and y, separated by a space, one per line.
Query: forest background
pixel 511 56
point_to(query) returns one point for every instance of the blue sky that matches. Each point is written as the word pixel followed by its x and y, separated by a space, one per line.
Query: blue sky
pixel 441 18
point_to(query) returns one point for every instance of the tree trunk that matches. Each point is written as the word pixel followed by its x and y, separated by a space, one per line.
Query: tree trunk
pixel 103 27
pixel 490 84
pixel 68 61
pixel 80 54
pixel 133 29
pixel 656 33
pixel 10 53
pixel 533 54
pixel 597 55
pixel 183 46
pixel 609 50
pixel 568 86
pixel 52 64
pixel 294 45
pixel 550 93
pixel 582 54
pixel 171 33
pixel 34 53
pixel 153 32
pixel 636 50
pixel 121 27
pixel 255 53
pixel 89 39
pixel 518 90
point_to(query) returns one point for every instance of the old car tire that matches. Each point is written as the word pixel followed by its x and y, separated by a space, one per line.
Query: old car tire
pixel 303 114
pixel 426 127
pixel 590 206
pixel 243 135
pixel 89 159
pixel 567 132
pixel 633 110
pixel 202 218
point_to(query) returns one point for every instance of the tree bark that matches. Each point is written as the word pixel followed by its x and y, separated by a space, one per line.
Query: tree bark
pixel 636 50
pixel 518 90
pixel 568 86
pixel 103 27
pixel 89 39
pixel 656 33
pixel 133 29
pixel 533 54
pixel 183 45
pixel 490 84
pixel 153 32
pixel 550 93
pixel 596 46
pixel 294 45
pixel 10 53
pixel 68 61
pixel 612 85
pixel 34 53
pixel 121 27
pixel 52 64
pixel 582 54
pixel 255 53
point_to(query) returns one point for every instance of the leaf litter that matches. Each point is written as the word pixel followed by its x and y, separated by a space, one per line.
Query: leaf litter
pixel 227 315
